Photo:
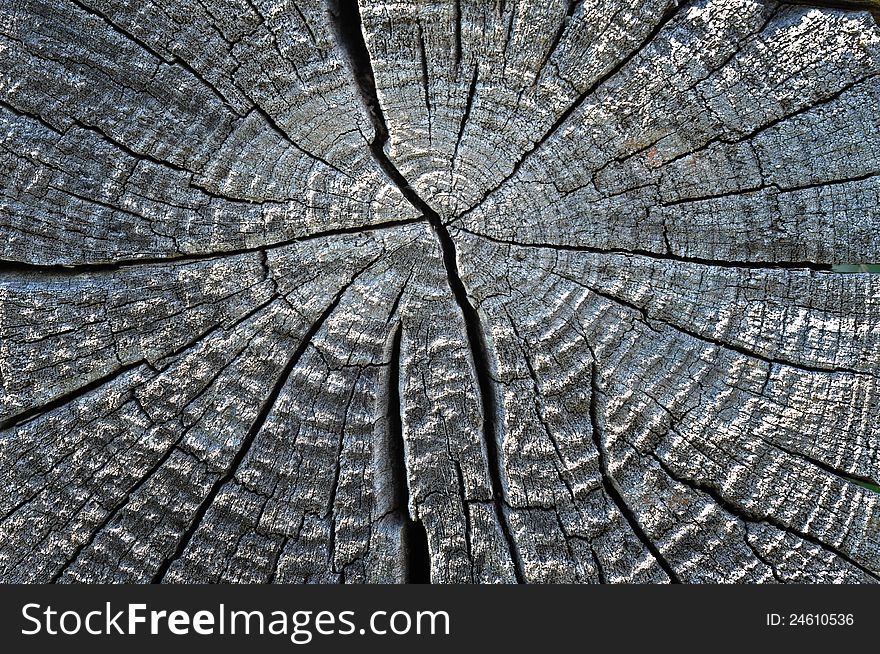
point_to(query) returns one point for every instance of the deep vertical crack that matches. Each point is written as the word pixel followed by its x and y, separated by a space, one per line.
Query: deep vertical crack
pixel 345 15
pixel 457 56
pixel 557 38
pixel 413 536
pixel 480 354
pixel 425 83
pixel 469 103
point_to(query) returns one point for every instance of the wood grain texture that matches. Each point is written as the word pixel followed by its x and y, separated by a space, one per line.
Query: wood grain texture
pixel 325 291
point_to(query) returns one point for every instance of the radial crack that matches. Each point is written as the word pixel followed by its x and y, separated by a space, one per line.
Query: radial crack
pixel 610 484
pixel 69 396
pixel 413 536
pixel 661 256
pixel 7 266
pixel 747 516
pixel 346 15
pixel 557 37
pixel 564 116
pixel 732 347
pixel 255 428
pixel 467 112
pixel 861 480
pixel 79 391
pixel 197 75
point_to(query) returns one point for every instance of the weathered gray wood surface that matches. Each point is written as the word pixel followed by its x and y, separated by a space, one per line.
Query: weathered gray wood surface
pixel 522 291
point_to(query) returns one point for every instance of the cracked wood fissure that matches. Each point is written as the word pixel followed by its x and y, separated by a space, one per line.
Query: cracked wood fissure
pixel 338 291
pixel 608 481
pixel 349 14
pixel 180 62
pixel 19 266
pixel 265 409
pixel 566 114
pixel 414 539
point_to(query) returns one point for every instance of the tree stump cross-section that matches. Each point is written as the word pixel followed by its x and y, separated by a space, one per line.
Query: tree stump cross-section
pixel 326 291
